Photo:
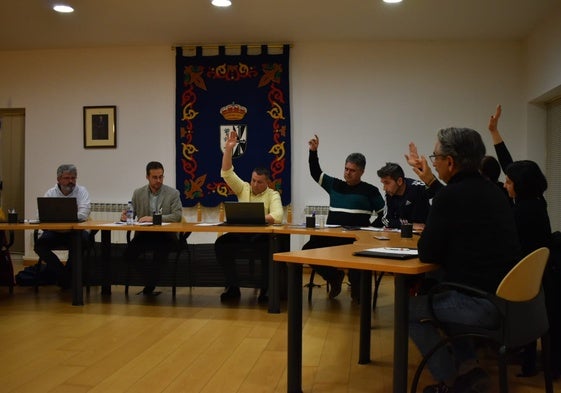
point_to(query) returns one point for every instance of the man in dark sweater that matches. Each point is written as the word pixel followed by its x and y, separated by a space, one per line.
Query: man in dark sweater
pixel 351 203
pixel 470 231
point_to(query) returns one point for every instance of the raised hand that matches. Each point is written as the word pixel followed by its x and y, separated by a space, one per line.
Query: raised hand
pixel 413 158
pixel 494 120
pixel 314 143
pixel 232 140
pixel 424 171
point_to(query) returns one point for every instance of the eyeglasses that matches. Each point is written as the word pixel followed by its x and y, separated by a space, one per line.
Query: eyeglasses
pixel 433 157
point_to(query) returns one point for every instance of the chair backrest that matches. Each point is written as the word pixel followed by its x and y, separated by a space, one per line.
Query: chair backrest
pixel 524 280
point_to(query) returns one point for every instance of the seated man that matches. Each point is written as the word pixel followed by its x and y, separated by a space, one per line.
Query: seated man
pixel 66 187
pixel 351 203
pixel 227 245
pixel 153 197
pixel 406 199
pixel 470 231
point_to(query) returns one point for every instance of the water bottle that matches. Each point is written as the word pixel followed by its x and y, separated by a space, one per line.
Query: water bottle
pixel 130 214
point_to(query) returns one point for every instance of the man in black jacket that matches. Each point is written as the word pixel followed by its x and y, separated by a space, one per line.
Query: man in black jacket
pixel 471 233
pixel 407 200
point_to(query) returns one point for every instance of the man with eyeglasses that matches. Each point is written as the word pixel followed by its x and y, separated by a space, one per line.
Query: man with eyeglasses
pixel 66 187
pixel 155 197
pixel 470 231
pixel 351 203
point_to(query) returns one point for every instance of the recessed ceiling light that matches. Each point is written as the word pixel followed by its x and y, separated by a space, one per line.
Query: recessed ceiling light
pixel 221 3
pixel 63 8
pixel 392 1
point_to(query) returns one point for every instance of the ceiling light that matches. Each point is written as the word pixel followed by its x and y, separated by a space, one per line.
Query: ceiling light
pixel 221 3
pixel 392 1
pixel 63 8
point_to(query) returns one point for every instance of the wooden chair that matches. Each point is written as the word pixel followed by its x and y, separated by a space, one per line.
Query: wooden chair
pixel 520 305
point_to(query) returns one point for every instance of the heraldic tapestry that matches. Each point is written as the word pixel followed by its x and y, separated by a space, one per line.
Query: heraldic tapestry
pixel 245 93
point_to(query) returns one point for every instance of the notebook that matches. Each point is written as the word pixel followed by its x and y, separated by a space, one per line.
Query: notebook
pixel 57 209
pixel 244 213
pixel 389 252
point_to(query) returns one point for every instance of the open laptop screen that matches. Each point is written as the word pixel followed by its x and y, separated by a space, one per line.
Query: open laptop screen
pixel 57 209
pixel 245 213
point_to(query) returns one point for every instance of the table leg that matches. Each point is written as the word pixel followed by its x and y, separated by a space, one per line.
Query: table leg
pixel 294 349
pixel 401 334
pixel 106 262
pixel 365 316
pixel 274 276
pixel 76 250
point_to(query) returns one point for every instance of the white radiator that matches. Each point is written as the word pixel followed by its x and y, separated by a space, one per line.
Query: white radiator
pixel 109 212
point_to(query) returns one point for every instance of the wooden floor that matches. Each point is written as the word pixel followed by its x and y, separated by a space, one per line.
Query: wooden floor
pixel 194 344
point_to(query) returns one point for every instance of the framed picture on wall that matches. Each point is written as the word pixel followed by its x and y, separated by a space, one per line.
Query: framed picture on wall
pixel 100 127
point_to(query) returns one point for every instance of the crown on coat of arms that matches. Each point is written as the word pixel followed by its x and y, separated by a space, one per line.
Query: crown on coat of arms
pixel 233 111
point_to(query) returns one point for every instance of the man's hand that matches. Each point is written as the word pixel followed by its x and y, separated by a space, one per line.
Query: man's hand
pixel 231 141
pixel 424 172
pixel 494 120
pixel 314 143
pixel 413 158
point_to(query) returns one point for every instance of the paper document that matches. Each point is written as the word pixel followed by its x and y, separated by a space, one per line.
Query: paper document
pixel 389 252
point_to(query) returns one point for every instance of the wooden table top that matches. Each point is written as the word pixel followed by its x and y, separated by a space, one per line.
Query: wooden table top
pixel 342 257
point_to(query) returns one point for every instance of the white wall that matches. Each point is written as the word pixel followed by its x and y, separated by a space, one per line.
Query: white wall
pixel 543 70
pixel 376 97
pixel 544 58
pixel 372 97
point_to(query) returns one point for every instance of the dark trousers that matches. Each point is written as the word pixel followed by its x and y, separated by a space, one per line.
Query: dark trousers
pixel 229 245
pixel 160 244
pixel 53 240
pixel 327 272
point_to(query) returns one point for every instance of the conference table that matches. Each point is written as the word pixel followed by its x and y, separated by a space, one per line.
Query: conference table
pixel 107 227
pixel 275 233
pixel 342 257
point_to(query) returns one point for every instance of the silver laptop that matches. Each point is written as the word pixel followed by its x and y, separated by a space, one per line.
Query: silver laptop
pixel 244 213
pixel 55 209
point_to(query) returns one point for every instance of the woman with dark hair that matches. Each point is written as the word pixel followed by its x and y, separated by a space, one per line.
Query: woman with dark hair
pixel 525 184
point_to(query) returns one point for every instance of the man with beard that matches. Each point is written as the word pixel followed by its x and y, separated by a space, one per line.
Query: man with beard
pixel 66 187
pixel 146 200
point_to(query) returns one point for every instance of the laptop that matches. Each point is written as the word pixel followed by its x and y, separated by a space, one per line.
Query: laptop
pixel 57 209
pixel 389 252
pixel 244 213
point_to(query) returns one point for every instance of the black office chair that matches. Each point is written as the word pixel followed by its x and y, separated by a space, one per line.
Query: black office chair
pixel 88 248
pixel 521 308
pixel 182 245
